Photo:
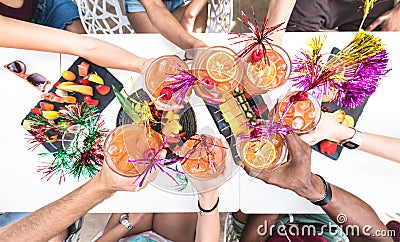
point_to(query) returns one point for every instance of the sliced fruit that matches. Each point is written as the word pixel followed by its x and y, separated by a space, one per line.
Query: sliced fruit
pixel 89 100
pixel 83 68
pixel 52 97
pixel 328 147
pixel 221 67
pixel 261 74
pixel 61 93
pixel 69 99
pixel 68 75
pixel 50 115
pixel 259 154
pixel 85 82
pixel 46 106
pixel 96 79
pixel 103 89
pixel 27 124
pixel 172 128
pixel 36 110
pixel 348 121
pixel 65 84
pixel 85 90
pixel 338 115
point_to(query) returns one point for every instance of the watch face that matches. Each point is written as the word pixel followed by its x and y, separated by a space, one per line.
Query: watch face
pixel 350 145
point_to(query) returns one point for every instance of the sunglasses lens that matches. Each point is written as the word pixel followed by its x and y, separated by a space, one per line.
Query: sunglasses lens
pixel 36 80
pixel 15 67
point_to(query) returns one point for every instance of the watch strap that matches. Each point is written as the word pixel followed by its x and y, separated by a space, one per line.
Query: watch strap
pixel 125 222
pixel 327 196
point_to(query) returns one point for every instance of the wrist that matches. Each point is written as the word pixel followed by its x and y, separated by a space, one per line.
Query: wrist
pixel 343 133
pixel 315 190
pixel 208 199
pixel 101 187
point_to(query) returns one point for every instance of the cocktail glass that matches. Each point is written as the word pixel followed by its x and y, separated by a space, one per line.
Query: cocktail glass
pixel 217 72
pixel 156 78
pixel 302 116
pixel 263 75
pixel 130 141
pixel 205 156
pixel 261 153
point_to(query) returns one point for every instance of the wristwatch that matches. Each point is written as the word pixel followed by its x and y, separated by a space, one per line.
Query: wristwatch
pixel 354 142
pixel 125 222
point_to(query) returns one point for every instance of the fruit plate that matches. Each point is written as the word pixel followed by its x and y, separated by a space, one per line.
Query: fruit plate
pixel 187 118
pixel 246 106
pixel 354 112
pixel 104 99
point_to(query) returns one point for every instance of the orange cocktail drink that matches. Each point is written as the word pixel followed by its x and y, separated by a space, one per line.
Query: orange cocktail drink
pixel 217 73
pixel 204 156
pixel 157 79
pixel 261 153
pixel 263 75
pixel 130 141
pixel 301 115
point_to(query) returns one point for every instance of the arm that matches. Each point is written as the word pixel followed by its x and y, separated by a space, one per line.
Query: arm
pixel 208 226
pixel 30 36
pixel 296 175
pixel 45 223
pixel 50 220
pixel 168 26
pixel 192 11
pixel 279 11
pixel 382 146
pixel 389 21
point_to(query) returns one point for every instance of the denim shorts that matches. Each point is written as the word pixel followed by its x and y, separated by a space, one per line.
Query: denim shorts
pixel 55 13
pixel 134 6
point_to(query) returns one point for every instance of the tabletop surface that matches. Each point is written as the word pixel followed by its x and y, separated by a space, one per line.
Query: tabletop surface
pixel 371 178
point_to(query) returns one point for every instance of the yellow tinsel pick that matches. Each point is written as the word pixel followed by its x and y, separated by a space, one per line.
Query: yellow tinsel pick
pixel 363 45
pixel 368 5
pixel 315 44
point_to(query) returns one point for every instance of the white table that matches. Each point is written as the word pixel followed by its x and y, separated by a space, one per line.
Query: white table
pixel 371 178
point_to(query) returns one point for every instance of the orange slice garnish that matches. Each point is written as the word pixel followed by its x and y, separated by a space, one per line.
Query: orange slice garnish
pixel 259 154
pixel 221 66
pixel 261 74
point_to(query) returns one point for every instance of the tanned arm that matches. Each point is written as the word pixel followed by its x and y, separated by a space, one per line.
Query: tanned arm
pixel 24 35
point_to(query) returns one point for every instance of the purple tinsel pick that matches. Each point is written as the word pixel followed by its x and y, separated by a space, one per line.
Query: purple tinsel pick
pixel 184 80
pixel 366 77
pixel 262 129
pixel 153 162
pixel 203 143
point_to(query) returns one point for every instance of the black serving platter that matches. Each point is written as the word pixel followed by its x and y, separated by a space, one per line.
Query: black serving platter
pixel 104 100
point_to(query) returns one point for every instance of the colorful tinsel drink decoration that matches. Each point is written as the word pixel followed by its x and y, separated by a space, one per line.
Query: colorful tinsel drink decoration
pixel 259 37
pixel 84 155
pixel 152 162
pixel 350 76
pixel 184 81
pixel 138 110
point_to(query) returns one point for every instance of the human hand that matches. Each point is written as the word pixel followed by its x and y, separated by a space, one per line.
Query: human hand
pixel 295 174
pixel 389 21
pixel 327 128
pixel 112 181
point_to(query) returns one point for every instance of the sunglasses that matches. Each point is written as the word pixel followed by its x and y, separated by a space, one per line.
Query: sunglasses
pixel 19 69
